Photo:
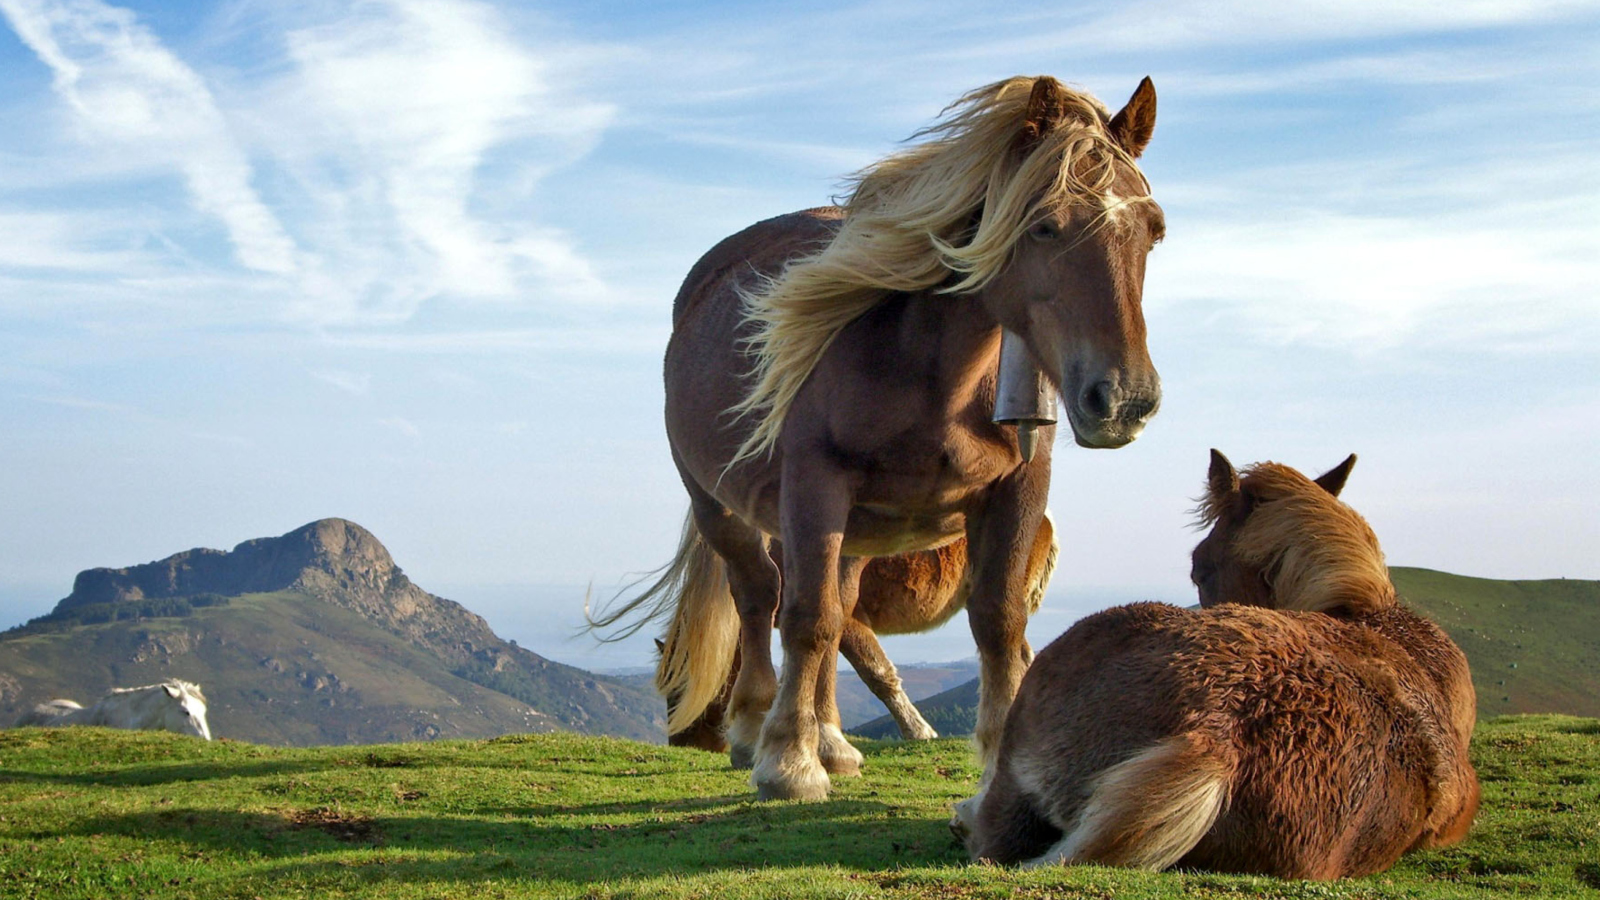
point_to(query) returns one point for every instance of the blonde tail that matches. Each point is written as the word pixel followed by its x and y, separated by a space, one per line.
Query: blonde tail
pixel 697 653
pixel 1147 812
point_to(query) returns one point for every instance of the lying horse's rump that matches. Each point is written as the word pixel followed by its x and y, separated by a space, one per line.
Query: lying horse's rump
pixel 1318 739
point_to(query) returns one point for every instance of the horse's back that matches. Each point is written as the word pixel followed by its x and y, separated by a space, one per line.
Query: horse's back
pixel 763 247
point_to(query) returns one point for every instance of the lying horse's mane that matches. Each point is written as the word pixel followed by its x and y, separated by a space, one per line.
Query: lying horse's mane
pixel 1319 554
pixel 954 204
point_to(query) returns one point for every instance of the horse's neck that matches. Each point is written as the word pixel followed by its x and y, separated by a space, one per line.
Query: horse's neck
pixel 955 334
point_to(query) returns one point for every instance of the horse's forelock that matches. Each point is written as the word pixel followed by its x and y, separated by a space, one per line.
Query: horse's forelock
pixel 908 227
pixel 1318 553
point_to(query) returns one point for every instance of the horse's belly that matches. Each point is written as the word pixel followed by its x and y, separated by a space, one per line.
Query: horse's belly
pixel 875 530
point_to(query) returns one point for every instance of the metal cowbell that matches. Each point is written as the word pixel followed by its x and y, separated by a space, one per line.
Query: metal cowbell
pixel 1023 397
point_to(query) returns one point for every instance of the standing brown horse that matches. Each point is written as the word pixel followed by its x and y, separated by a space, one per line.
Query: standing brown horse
pixel 1303 724
pixel 905 594
pixel 831 382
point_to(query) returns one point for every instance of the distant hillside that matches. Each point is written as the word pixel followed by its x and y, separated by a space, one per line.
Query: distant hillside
pixel 310 638
pixel 858 705
pixel 1534 647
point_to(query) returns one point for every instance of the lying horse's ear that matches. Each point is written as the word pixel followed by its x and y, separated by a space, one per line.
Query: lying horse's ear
pixel 1044 110
pixel 172 691
pixel 1333 480
pixel 1222 480
pixel 1132 127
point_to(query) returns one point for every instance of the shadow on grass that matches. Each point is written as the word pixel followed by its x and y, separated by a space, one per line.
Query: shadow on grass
pixel 680 836
pixel 168 773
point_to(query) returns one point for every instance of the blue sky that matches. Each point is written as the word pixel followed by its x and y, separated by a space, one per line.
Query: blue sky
pixel 410 263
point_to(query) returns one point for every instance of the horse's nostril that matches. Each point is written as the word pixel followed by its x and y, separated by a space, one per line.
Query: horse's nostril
pixel 1137 409
pixel 1097 400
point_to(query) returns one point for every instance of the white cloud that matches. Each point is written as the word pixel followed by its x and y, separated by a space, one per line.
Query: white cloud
pixel 387 119
pixel 357 383
pixel 376 158
pixel 50 240
pixel 401 424
pixel 1164 25
pixel 128 90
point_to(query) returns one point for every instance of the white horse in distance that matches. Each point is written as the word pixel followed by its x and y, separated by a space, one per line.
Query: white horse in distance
pixel 172 705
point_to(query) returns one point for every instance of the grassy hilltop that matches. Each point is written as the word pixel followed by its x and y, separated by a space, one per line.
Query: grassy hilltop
pixel 90 813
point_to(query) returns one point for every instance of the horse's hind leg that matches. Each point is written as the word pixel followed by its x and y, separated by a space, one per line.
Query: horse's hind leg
pixel 815 505
pixel 838 756
pixel 861 647
pixel 754 582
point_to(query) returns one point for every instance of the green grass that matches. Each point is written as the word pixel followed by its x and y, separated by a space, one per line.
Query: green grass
pixel 91 813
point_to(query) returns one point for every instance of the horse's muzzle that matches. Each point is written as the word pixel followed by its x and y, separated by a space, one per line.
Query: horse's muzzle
pixel 1106 414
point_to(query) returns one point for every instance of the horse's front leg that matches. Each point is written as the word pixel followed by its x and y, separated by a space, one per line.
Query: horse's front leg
pixel 1000 539
pixel 813 510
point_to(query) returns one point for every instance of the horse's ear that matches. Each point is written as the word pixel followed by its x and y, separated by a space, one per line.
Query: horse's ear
pixel 1333 480
pixel 1223 479
pixel 1132 127
pixel 172 691
pixel 1044 109
pixel 661 646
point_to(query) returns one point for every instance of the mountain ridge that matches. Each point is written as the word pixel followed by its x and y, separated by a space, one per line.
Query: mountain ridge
pixel 340 565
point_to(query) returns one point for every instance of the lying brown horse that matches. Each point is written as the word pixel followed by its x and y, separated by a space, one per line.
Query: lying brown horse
pixel 831 382
pixel 905 594
pixel 1303 724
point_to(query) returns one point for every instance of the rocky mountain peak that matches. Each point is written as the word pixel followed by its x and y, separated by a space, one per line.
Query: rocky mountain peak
pixel 324 553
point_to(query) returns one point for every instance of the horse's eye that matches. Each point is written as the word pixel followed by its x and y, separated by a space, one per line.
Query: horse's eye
pixel 1044 231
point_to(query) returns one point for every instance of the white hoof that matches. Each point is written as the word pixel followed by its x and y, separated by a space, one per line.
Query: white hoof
pixel 794 778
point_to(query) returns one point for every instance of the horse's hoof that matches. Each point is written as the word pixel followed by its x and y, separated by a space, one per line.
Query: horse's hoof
pixel 963 815
pixel 742 757
pixel 799 781
pixel 806 789
pixel 842 766
pixel 925 733
pixel 839 756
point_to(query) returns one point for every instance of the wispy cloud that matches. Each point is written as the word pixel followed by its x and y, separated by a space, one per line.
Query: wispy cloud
pixel 88 405
pixel 383 156
pixel 127 89
pixel 401 424
pixel 357 383
pixel 406 103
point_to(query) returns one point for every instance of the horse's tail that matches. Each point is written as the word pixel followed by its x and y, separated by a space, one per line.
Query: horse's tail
pixel 1148 811
pixel 1042 562
pixel 698 649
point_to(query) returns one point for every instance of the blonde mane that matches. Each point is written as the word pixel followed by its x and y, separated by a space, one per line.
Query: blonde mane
pixel 944 213
pixel 1318 554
